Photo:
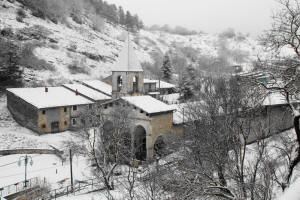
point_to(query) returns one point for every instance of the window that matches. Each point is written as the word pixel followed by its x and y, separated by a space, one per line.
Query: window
pixel 66 123
pixel 43 125
pixel 105 107
pixel 44 112
pixel 90 106
pixel 74 121
pixel 110 104
pixel 65 109
pixel 74 107
pixel 141 111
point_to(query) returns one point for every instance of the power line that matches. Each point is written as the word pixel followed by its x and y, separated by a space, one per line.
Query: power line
pixel 17 161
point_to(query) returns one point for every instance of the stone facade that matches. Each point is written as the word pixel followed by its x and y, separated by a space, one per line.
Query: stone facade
pixel 155 125
pixel 23 112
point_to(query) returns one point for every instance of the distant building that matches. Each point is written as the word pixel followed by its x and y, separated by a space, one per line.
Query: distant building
pixel 46 110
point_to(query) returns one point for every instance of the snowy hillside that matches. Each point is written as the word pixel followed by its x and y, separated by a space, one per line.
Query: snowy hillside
pixel 79 52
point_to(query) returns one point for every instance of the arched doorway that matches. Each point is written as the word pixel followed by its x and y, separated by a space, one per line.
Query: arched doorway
pixel 140 143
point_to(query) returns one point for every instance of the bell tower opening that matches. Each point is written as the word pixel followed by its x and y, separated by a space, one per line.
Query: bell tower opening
pixel 135 84
pixel 119 83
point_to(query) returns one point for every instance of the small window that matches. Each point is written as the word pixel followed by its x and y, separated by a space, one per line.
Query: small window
pixel 65 109
pixel 147 114
pixel 90 106
pixel 74 107
pixel 44 126
pixel 74 121
pixel 105 107
pixel 110 104
pixel 141 111
pixel 134 107
pixel 66 123
pixel 44 112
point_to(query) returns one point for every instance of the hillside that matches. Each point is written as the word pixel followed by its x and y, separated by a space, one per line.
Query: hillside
pixel 70 51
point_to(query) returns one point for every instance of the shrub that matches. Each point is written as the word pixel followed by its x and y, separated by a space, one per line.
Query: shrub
pixel 21 13
pixel 34 32
pixel 77 68
pixel 31 61
pixel 76 18
pixel 11 1
pixel 7 32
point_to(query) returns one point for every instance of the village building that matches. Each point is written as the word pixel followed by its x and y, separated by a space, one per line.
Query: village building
pixel 152 120
pixel 46 110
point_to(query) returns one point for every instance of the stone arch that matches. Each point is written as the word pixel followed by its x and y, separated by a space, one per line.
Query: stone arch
pixel 140 142
pixel 119 83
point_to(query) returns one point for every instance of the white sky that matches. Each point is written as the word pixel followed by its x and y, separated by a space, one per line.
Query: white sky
pixel 212 16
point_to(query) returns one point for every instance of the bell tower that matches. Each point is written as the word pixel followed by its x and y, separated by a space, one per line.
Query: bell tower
pixel 127 74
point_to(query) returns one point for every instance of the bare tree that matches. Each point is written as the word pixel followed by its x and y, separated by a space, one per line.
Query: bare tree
pixel 107 141
pixel 284 70
pixel 216 161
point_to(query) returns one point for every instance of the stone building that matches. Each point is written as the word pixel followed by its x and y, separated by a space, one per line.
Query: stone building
pixel 152 119
pixel 46 110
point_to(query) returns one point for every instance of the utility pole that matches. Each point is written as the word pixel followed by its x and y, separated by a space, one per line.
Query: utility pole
pixel 26 158
pixel 71 170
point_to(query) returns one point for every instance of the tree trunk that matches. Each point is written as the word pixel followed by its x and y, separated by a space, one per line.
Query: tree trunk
pixel 296 160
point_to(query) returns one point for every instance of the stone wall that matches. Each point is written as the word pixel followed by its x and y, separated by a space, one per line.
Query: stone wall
pixel 23 112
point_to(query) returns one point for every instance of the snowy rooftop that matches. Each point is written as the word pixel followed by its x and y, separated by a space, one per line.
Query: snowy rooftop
pixel 148 104
pixel 149 81
pixel 55 97
pixel 164 85
pixel 128 60
pixel 100 86
pixel 88 92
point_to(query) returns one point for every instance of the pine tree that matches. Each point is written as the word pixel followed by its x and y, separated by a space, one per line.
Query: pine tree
pixel 121 16
pixel 10 71
pixel 129 21
pixel 166 68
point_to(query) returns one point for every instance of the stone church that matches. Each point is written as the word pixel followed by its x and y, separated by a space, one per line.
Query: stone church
pixel 57 109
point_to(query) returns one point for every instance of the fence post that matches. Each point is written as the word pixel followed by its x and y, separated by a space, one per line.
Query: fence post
pixel 55 194
pixel 67 190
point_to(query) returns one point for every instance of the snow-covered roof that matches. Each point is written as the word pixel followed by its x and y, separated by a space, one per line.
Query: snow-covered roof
pixel 128 60
pixel 163 84
pixel 99 85
pixel 87 92
pixel 55 97
pixel 171 98
pixel 148 104
pixel 149 80
pixel 185 112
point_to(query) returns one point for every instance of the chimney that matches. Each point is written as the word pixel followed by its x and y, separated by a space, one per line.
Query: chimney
pixel 76 92
pixel 46 89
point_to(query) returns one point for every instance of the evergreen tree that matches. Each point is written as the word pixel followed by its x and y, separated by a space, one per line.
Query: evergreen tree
pixel 188 83
pixel 10 70
pixel 166 68
pixel 129 21
pixel 121 16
